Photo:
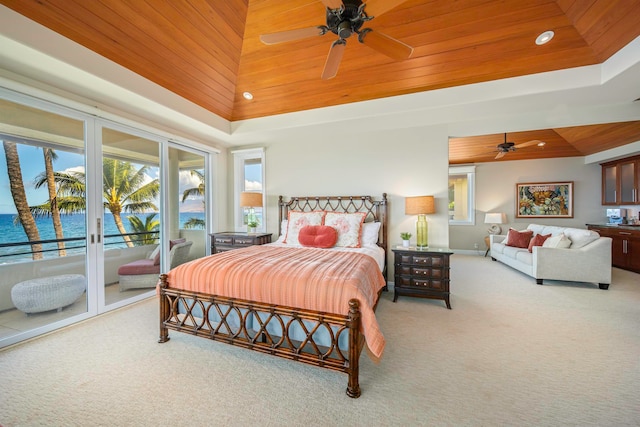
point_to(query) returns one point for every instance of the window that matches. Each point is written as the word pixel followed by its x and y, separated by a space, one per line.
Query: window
pixel 462 195
pixel 249 177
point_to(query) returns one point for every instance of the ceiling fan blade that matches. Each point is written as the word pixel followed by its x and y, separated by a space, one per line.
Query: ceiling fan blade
pixel 528 143
pixel 333 59
pixel 291 35
pixel 375 8
pixel 332 4
pixel 500 155
pixel 384 44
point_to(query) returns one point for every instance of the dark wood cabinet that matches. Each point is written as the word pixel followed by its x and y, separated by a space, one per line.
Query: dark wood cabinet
pixel 229 240
pixel 422 273
pixel 621 182
pixel 625 250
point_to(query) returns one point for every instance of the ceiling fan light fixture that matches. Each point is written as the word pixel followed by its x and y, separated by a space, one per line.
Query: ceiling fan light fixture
pixel 344 29
pixel 544 38
pixel 247 95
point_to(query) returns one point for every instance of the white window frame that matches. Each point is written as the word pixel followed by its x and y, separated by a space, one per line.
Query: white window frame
pixel 470 171
pixel 239 158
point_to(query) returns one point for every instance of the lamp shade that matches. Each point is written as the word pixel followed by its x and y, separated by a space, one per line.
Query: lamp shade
pixel 250 199
pixel 419 205
pixel 494 218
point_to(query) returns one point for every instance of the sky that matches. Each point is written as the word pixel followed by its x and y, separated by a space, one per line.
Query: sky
pixel 32 164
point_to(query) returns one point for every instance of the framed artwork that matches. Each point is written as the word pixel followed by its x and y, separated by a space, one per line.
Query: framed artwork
pixel 544 200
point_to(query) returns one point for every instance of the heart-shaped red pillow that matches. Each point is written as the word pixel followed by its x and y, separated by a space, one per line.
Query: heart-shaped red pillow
pixel 318 236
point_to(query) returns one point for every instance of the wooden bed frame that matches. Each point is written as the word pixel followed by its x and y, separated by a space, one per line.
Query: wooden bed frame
pixel 188 312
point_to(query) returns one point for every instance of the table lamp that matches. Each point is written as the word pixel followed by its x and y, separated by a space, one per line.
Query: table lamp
pixel 420 205
pixel 251 200
pixel 495 218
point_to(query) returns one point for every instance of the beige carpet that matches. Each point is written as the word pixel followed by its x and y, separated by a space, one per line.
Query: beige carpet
pixel 510 353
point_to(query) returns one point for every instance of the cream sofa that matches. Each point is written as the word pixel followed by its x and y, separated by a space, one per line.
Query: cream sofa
pixel 587 259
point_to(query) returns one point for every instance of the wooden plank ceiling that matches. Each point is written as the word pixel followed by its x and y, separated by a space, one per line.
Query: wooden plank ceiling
pixel 209 52
pixel 559 142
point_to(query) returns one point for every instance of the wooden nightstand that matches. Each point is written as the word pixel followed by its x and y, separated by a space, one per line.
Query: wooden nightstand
pixel 422 273
pixel 228 240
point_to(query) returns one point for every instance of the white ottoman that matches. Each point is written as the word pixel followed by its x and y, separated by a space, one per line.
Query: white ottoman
pixel 47 293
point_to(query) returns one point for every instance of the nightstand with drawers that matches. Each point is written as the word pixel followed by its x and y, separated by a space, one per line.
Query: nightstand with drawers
pixel 422 273
pixel 229 240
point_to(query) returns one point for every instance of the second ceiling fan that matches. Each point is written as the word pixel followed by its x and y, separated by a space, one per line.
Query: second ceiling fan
pixel 344 18
pixel 507 147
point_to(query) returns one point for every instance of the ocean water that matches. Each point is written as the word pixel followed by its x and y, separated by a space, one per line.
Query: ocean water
pixel 73 226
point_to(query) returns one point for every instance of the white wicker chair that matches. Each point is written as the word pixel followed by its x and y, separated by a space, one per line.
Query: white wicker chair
pixel 178 255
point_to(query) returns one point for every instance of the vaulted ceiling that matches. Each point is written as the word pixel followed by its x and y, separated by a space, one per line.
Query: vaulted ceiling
pixel 209 52
pixel 573 141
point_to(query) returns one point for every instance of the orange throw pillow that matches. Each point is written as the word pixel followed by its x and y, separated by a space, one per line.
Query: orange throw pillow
pixel 538 240
pixel 519 239
pixel 318 236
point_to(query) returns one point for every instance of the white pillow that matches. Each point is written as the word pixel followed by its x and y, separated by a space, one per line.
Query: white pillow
pixel 370 232
pixel 297 220
pixel 557 241
pixel 580 237
pixel 155 252
pixel 348 226
pixel 283 231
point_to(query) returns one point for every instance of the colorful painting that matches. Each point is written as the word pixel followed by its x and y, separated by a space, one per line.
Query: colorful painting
pixel 544 200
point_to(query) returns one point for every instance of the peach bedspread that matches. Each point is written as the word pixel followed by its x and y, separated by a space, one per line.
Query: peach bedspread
pixel 314 279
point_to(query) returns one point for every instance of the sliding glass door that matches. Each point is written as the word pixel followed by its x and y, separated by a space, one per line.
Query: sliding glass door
pixel 91 212
pixel 130 214
pixel 44 264
pixel 186 207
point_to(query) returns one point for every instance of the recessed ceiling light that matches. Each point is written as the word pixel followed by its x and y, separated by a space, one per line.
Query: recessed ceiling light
pixel 247 95
pixel 544 37
pixel 541 144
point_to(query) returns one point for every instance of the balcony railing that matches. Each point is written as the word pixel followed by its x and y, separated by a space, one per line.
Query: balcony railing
pixel 77 244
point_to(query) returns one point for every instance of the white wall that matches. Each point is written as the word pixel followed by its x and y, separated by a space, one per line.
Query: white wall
pixel 496 187
pixel 401 163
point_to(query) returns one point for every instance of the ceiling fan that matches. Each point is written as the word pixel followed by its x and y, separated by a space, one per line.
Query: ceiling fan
pixel 507 147
pixel 344 18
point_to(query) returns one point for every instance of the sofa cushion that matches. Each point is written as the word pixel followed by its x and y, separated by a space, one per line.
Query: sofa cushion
pixel 511 251
pixel 559 241
pixel 546 229
pixel 537 240
pixel 141 266
pixel 580 238
pixel 525 257
pixel 519 239
pixel 497 248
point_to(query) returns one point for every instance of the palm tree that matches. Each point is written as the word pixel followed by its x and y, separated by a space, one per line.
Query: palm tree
pixel 49 157
pixel 124 191
pixel 195 192
pixel 20 198
pixel 70 196
pixel 150 224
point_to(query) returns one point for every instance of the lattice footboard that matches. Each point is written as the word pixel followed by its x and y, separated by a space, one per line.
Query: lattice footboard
pixel 321 339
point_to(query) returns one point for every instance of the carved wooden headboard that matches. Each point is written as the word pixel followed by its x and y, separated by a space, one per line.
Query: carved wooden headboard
pixel 376 210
